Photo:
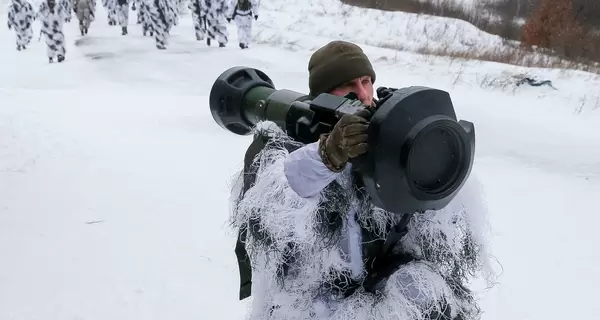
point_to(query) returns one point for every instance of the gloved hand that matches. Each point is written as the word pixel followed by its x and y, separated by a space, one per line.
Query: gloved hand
pixel 256 17
pixel 228 19
pixel 347 140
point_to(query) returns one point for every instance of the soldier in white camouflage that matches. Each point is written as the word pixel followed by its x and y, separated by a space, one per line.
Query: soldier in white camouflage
pixel 312 243
pixel 123 15
pixel 52 18
pixel 198 18
pixel 20 19
pixel 216 12
pixel 163 14
pixel 243 13
pixel 145 18
pixel 84 9
pixel 111 10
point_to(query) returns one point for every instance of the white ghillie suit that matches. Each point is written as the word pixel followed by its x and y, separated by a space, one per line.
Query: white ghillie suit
pixel 315 242
pixel 123 14
pixel 84 9
pixel 52 17
pixel 163 14
pixel 111 10
pixel 216 12
pixel 243 13
pixel 68 9
pixel 198 18
pixel 145 17
pixel 20 19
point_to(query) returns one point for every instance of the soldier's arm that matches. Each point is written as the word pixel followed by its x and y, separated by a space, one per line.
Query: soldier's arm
pixel 305 171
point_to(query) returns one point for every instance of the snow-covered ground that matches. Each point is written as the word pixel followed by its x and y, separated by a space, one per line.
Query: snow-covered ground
pixel 113 174
pixel 397 30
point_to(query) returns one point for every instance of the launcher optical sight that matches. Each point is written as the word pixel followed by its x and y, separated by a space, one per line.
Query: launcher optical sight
pixel 419 155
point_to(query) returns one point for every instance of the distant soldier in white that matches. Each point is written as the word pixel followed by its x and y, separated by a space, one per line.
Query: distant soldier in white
pixel 179 6
pixel 111 10
pixel 123 15
pixel 84 10
pixel 67 8
pixel 135 6
pixel 215 12
pixel 198 18
pixel 20 19
pixel 163 15
pixel 145 17
pixel 52 17
pixel 243 12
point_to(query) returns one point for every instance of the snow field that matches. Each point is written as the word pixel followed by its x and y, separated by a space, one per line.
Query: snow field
pixel 113 174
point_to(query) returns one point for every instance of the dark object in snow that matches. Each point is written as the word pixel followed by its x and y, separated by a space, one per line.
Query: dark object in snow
pixel 100 55
pixel 534 83
pixel 418 159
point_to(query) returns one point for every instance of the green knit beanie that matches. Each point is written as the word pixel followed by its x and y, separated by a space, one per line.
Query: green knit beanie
pixel 335 64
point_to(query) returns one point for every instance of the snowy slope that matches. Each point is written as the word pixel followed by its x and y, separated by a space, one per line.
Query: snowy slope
pixel 113 175
pixel 397 30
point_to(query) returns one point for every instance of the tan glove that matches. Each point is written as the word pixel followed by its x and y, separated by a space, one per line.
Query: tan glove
pixel 347 140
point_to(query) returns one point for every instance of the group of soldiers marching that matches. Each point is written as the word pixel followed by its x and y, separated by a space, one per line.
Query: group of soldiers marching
pixel 209 16
pixel 52 16
pixel 156 17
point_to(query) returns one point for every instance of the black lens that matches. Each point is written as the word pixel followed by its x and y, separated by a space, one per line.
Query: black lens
pixel 434 162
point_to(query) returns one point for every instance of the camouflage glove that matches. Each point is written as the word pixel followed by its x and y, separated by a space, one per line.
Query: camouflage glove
pixel 255 17
pixel 347 140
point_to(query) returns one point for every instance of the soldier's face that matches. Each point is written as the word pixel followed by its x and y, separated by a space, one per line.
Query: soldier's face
pixel 362 86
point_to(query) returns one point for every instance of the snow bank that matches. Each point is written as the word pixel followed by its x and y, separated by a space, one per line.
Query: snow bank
pixel 393 40
pixel 397 30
